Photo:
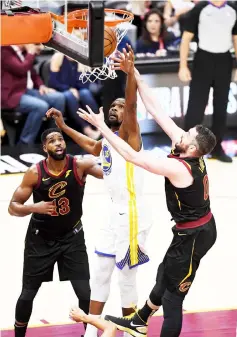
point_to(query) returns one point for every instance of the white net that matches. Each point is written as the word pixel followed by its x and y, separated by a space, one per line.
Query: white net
pixel 106 71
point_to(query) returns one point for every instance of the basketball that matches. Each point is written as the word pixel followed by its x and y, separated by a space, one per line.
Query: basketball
pixel 110 41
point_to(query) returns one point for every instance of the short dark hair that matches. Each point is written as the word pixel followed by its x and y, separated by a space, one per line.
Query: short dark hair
pixel 47 132
pixel 122 99
pixel 206 140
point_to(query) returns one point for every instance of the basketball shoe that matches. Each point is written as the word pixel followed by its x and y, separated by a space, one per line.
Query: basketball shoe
pixel 133 324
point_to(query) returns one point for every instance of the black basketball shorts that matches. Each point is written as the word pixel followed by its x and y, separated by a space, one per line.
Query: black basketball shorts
pixel 40 256
pixel 181 261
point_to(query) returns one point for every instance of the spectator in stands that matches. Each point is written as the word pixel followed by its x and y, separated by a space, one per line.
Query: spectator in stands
pixel 174 13
pixel 154 39
pixel 139 9
pixel 64 77
pixel 55 6
pixel 23 89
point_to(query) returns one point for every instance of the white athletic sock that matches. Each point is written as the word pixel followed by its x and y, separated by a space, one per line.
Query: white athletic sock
pixel 91 331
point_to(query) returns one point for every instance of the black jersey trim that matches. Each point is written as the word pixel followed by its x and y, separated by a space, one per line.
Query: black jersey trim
pixel 80 182
pixel 54 175
pixel 39 176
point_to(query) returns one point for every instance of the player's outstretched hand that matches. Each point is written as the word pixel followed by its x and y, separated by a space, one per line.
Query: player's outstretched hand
pixel 57 116
pixel 44 207
pixel 125 60
pixel 78 315
pixel 95 119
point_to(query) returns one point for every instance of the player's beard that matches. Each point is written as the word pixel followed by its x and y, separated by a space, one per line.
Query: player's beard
pixel 178 149
pixel 113 123
pixel 57 156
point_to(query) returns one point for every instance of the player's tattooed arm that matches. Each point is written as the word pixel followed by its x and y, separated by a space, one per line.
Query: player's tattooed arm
pixel 23 192
pixel 129 130
pixel 89 166
pixel 88 144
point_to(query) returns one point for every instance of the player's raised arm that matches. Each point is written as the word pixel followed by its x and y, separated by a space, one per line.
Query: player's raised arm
pixel 130 126
pixel 154 108
pixel 89 145
pixel 17 205
pixel 88 166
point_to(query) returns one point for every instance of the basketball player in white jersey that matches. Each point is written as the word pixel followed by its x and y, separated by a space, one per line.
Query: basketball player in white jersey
pixel 121 241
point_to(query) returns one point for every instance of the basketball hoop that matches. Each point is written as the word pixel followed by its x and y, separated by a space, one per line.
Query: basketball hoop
pixel 77 23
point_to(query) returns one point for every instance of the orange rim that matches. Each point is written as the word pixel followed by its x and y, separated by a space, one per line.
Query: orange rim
pixel 76 18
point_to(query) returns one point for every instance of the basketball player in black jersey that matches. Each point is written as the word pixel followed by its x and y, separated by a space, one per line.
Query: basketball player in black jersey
pixel 55 233
pixel 187 196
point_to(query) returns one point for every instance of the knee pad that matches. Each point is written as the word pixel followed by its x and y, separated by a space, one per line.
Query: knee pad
pixel 128 286
pixel 173 315
pixel 82 289
pixel 159 288
pixel 101 278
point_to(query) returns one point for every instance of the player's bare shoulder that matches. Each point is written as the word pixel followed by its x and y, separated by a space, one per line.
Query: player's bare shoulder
pixel 31 176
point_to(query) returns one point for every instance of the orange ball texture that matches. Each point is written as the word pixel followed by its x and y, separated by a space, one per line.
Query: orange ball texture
pixel 110 41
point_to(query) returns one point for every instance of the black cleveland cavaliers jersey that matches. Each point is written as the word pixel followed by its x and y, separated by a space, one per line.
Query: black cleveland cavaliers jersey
pixel 66 192
pixel 190 203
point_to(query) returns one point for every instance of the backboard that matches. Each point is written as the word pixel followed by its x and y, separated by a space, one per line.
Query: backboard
pixel 85 45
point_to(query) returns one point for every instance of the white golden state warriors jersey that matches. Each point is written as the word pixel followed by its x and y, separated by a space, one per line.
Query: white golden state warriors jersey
pixel 123 180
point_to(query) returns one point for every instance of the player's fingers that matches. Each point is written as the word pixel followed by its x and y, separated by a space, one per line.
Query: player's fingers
pixel 116 65
pixel 83 116
pixel 116 68
pixel 130 49
pixel 49 113
pixel 101 110
pixel 82 111
pixel 90 110
pixel 126 53
pixel 116 59
pixel 48 203
pixel 119 53
pixel 131 57
pixel 123 56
